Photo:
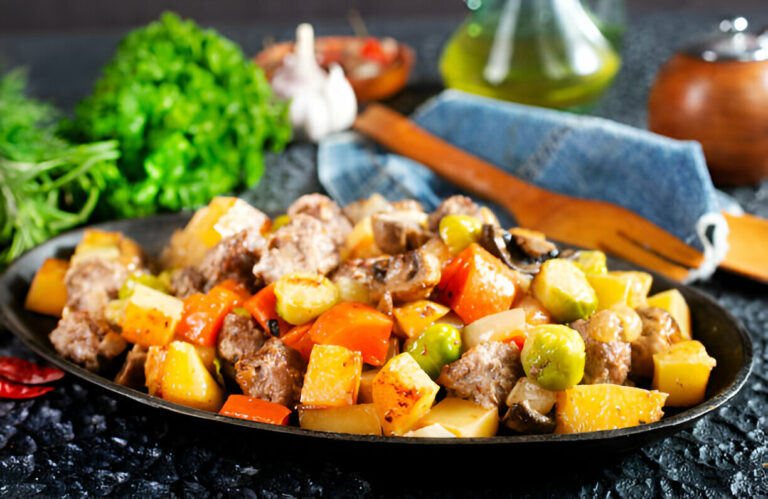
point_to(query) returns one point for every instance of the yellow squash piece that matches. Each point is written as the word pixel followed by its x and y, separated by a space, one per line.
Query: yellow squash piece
pixel 413 318
pixel 641 285
pixel 358 419
pixel 586 408
pixel 463 418
pixel 673 302
pixel 683 373
pixel 592 262
pixel 47 294
pixel 151 316
pixel 177 374
pixel 333 377
pixel 610 289
pixel 403 393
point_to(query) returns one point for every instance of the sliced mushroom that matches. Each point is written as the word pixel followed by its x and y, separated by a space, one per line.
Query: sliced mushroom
pixel 399 231
pixel 519 249
pixel 524 419
pixel 408 276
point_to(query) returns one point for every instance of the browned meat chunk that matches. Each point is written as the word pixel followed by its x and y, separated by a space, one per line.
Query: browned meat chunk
pixel 275 373
pixel 187 281
pixel 132 372
pixel 484 374
pixel 232 258
pixel 460 205
pixel 658 328
pixel 86 340
pixel 399 231
pixel 326 211
pixel 92 283
pixel 606 362
pixel 303 245
pixel 238 338
pixel 407 276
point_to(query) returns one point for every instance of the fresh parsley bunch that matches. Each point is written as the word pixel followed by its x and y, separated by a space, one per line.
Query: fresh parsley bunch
pixel 192 116
pixel 47 185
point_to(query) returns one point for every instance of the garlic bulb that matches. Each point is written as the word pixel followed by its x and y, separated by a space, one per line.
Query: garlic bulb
pixel 321 103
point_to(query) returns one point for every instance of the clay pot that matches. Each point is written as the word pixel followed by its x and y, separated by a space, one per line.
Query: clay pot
pixel 716 92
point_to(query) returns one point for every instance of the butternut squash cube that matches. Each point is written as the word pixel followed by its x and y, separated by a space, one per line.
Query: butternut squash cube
pixel 585 408
pixel 673 302
pixel 403 393
pixel 47 294
pixel 641 285
pixel 358 419
pixel 333 377
pixel 414 317
pixel 683 373
pixel 176 373
pixel 463 418
pixel 610 289
pixel 151 316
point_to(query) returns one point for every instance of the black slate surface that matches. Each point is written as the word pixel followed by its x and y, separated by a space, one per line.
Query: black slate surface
pixel 79 441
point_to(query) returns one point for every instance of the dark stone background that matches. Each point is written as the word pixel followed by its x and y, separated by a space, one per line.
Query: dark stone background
pixel 78 440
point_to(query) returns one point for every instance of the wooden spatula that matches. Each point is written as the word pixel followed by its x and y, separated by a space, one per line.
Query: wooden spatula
pixel 748 241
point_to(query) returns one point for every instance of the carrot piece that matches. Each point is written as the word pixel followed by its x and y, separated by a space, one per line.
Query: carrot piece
pixel 355 326
pixel 203 315
pixel 299 339
pixel 253 409
pixel 48 293
pixel 236 288
pixel 476 284
pixel 263 308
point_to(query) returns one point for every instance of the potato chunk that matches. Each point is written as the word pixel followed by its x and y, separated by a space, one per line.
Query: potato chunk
pixel 415 317
pixel 683 373
pixel 47 293
pixel 176 373
pixel 463 418
pixel 333 377
pixel 586 408
pixel 358 419
pixel 403 393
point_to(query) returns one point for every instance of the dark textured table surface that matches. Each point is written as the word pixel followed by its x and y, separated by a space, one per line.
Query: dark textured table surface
pixel 79 440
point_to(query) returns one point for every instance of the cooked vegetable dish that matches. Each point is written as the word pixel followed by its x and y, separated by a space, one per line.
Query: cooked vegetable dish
pixel 378 318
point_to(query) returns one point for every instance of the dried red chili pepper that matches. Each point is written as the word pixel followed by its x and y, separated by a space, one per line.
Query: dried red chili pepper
pixel 24 371
pixel 10 390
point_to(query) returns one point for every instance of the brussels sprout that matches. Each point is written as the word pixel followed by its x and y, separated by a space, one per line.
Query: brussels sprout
pixel 459 231
pixel 591 262
pixel 438 345
pixel 564 290
pixel 554 356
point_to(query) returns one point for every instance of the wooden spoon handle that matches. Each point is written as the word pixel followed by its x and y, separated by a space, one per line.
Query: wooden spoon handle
pixel 401 135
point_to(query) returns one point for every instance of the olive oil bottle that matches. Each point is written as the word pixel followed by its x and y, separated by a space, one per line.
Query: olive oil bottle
pixel 540 52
